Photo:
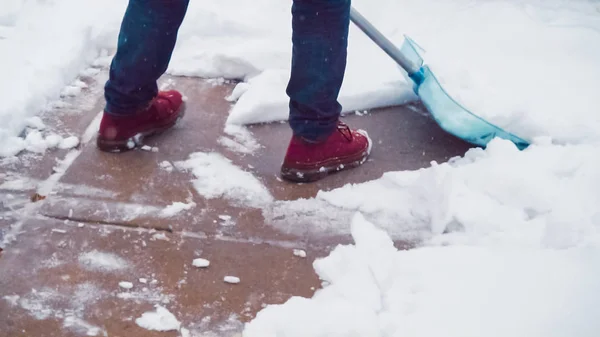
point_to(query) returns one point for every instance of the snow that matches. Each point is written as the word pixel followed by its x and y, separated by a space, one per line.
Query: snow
pixel 104 261
pixel 373 289
pixel 185 332
pixel 238 91
pixel 201 263
pixel 231 279
pixel 12 299
pixel 216 177
pixel 154 296
pixel 42 53
pixel 494 195
pixel 545 72
pixel 37 141
pixel 505 236
pixel 299 253
pixel 69 142
pixel 125 285
pixel 69 303
pixel 242 140
pixel 54 140
pixel 35 122
pixel 176 208
pixel 159 236
pixel 81 326
pixel 222 40
pixel 499 229
pixel 165 165
pixel 149 148
pixel 159 320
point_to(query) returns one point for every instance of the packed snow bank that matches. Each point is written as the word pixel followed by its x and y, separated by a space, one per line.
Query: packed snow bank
pixel 497 195
pixel 43 47
pixel 372 289
pixel 254 45
pixel 511 241
pixel 529 66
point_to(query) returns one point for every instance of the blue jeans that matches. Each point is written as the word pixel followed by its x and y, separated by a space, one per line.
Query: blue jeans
pixel 320 37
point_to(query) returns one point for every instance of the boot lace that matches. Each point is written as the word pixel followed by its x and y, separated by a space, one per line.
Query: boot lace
pixel 345 131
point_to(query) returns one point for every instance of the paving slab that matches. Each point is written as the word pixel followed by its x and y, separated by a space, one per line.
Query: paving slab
pixel 109 208
pixel 57 274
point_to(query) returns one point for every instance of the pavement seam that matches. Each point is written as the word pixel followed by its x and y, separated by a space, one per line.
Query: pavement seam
pixel 287 244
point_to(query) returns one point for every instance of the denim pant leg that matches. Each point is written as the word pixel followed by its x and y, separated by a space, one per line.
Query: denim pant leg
pixel 146 42
pixel 320 40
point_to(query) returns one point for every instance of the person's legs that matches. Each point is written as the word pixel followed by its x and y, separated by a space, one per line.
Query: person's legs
pixel 320 39
pixel 146 41
pixel 320 144
pixel 134 107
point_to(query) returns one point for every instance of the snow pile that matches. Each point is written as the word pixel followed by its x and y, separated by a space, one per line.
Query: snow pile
pixel 372 289
pixel 37 139
pixel 510 244
pixel 500 194
pixel 254 45
pixel 529 66
pixel 511 238
pixel 216 177
pixel 470 46
pixel 43 47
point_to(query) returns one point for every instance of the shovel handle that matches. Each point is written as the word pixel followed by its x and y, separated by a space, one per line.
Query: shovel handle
pixel 383 42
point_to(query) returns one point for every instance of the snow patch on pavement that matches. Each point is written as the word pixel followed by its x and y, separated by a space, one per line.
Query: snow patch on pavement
pixel 217 177
pixel 176 208
pixel 103 261
pixel 69 305
pixel 241 141
pixel 79 325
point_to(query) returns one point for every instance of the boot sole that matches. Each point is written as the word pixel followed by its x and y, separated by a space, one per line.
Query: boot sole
pixel 136 141
pixel 311 175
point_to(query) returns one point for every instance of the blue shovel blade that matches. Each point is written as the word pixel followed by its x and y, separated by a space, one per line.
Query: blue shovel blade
pixel 449 114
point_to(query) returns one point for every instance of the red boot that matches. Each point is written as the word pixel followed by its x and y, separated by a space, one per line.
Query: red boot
pixel 123 133
pixel 308 162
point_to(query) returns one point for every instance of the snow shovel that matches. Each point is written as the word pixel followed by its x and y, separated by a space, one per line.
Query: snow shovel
pixel 449 114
